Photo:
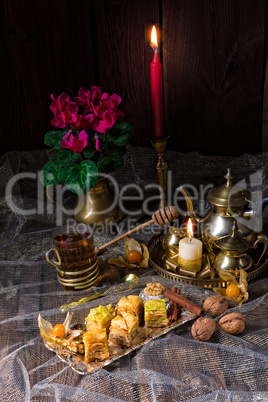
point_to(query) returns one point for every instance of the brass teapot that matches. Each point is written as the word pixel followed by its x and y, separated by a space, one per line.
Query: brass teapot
pixel 228 202
pixel 234 252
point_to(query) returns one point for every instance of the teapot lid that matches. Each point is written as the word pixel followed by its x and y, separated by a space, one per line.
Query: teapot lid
pixel 228 195
pixel 233 242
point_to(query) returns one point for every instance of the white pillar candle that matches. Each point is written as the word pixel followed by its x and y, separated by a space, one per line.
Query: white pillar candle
pixel 190 249
pixel 190 252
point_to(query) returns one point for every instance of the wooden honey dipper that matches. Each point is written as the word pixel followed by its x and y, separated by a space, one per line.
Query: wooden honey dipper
pixel 160 217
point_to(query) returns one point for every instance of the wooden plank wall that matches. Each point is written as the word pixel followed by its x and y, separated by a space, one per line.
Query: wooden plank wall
pixel 213 55
pixel 265 95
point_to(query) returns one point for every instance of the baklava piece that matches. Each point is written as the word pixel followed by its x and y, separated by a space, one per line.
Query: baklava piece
pixel 99 317
pixel 96 345
pixel 155 313
pixel 132 305
pixel 123 329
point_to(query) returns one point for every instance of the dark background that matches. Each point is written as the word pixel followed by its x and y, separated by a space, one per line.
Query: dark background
pixel 214 63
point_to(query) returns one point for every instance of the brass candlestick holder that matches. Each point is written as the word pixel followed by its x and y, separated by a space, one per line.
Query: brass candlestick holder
pixel 159 147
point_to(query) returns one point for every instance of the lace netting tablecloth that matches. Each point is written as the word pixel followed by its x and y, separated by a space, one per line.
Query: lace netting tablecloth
pixel 172 368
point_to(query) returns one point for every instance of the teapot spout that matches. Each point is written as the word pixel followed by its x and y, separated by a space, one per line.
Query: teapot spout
pixel 189 204
pixel 258 210
pixel 255 215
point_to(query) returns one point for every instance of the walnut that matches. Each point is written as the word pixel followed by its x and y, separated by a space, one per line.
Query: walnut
pixel 203 329
pixel 233 323
pixel 215 305
pixel 154 289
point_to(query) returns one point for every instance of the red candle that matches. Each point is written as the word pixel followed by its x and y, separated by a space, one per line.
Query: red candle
pixel 156 90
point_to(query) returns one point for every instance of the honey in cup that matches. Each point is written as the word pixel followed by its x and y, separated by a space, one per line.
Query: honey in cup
pixel 74 258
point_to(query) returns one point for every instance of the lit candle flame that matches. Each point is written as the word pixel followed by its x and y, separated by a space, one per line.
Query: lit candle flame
pixel 190 231
pixel 154 43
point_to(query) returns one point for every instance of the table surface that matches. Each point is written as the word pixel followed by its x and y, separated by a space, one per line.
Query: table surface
pixel 171 368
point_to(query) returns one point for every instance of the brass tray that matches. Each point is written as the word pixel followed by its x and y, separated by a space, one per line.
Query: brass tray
pixel 77 363
pixel 158 257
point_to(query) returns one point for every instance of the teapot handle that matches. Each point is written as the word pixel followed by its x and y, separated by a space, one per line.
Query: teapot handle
pixel 189 202
pixel 260 240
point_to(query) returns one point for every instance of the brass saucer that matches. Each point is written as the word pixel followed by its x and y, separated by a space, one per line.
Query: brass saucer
pixel 158 257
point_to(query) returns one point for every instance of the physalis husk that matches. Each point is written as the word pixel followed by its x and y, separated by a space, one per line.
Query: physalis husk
pixel 242 285
pixel 46 330
pixel 132 244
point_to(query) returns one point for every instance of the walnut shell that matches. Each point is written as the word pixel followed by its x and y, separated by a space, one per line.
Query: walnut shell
pixel 203 329
pixel 215 305
pixel 233 323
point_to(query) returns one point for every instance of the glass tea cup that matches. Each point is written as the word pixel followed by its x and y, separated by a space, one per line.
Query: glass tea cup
pixel 74 258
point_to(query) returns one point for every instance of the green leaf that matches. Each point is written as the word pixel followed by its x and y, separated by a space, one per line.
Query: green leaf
pixel 117 161
pixel 92 155
pixel 51 174
pixel 111 149
pixel 120 134
pixel 109 163
pixel 123 139
pixel 80 179
pixel 65 157
pixel 54 137
pixel 122 127
pixel 117 151
pixel 88 153
pixel 104 165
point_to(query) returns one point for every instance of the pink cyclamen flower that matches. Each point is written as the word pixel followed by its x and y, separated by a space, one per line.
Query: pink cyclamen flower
pixel 97 143
pixel 106 113
pixel 64 119
pixel 108 120
pixel 73 143
pixel 84 122
pixel 65 112
pixel 85 96
pixel 62 103
pixel 116 99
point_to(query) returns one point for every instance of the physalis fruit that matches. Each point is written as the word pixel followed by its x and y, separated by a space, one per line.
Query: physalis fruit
pixel 136 255
pixel 232 290
pixel 133 257
pixel 59 330
pixel 237 292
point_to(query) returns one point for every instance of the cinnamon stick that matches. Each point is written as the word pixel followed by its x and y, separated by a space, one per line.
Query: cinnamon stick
pixel 182 301
pixel 174 307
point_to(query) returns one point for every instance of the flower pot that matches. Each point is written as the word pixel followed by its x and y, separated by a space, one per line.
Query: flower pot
pixel 99 205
